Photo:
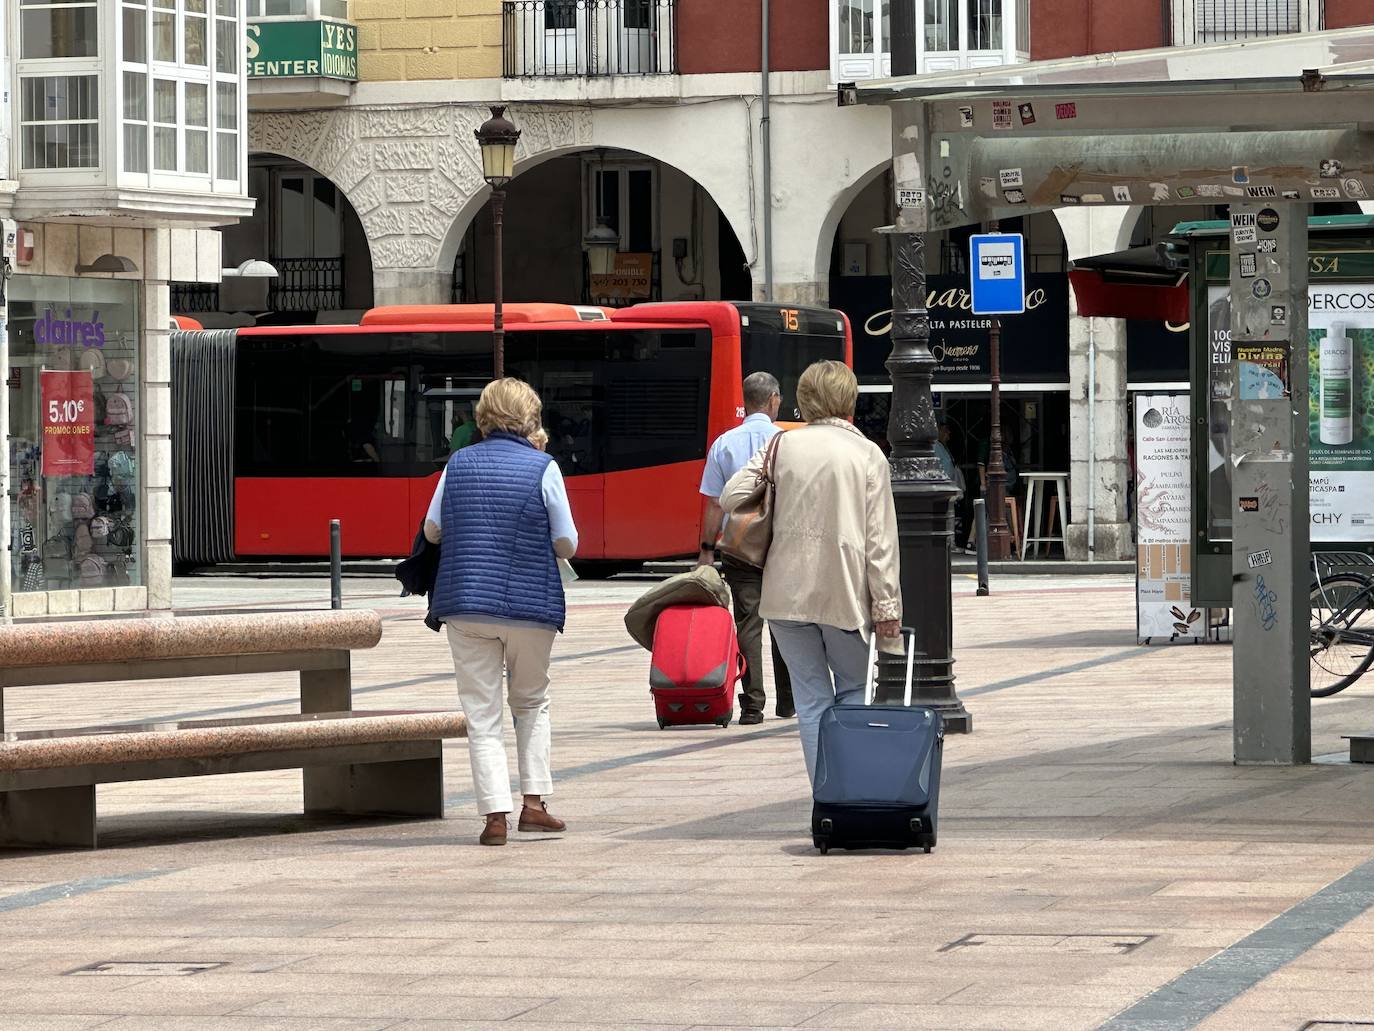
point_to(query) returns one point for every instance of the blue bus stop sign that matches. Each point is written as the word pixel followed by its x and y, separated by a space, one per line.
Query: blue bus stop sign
pixel 998 268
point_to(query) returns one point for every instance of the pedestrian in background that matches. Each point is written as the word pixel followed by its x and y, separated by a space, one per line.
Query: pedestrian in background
pixel 831 579
pixel 499 592
pixel 728 455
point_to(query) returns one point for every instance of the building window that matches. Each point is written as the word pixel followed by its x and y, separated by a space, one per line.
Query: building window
pixel 1220 20
pixel 226 130
pixel 135 122
pixel 856 27
pixel 984 24
pixel 164 125
pixel 165 31
pixel 195 31
pixel 298 9
pixel 226 37
pixel 942 25
pixel 58 28
pixel 59 121
pixel 197 128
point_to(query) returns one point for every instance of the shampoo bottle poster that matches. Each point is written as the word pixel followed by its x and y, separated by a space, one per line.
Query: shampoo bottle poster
pixel 1340 350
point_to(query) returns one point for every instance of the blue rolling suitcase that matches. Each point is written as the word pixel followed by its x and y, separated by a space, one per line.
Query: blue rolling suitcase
pixel 878 771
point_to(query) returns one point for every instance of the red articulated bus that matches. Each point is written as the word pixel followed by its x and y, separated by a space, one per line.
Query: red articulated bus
pixel 278 430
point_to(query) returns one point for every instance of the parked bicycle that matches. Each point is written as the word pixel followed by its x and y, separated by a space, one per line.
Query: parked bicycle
pixel 1341 645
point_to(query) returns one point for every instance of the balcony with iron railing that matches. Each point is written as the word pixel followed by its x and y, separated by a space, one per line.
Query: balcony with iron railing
pixel 1222 21
pixel 582 38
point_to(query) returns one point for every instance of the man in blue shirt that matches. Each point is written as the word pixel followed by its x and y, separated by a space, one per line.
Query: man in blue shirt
pixel 728 455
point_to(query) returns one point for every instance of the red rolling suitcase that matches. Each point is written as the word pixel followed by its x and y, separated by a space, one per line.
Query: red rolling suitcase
pixel 695 665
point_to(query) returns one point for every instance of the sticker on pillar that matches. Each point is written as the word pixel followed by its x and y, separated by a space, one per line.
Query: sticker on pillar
pixel 1261 191
pixel 1278 315
pixel 1262 288
pixel 1262 370
pixel 1161 191
pixel 1094 198
pixel 1001 114
pixel 1292 195
pixel 1210 190
pixel 1069 198
pixel 911 198
pixel 1326 193
pixel 1330 168
pixel 1027 113
pixel 1267 247
pixel 1267 220
pixel 1010 178
pixel 989 187
pixel 1354 189
pixel 1015 196
pixel 1249 266
pixel 966 117
pixel 1233 191
pixel 1244 234
pixel 1248 504
pixel 1121 194
pixel 1186 193
pixel 1063 112
pixel 1259 558
pixel 1240 174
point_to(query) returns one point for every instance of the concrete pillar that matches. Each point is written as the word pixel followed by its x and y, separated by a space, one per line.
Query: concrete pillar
pixel 815 292
pixel 412 286
pixel 1099 476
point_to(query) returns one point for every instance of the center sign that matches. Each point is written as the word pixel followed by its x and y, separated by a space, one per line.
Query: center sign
pixel 319 49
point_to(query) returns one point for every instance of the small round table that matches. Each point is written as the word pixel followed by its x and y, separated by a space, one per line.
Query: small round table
pixel 1036 486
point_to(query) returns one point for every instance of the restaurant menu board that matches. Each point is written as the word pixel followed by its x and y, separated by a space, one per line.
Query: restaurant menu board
pixel 1163 513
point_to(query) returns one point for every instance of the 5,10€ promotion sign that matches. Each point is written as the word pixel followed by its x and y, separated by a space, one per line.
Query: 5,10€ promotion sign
pixel 68 424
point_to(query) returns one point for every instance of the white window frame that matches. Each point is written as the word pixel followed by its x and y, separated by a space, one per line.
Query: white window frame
pixel 591 166
pixel 206 76
pixel 315 10
pixel 849 67
pixel 1186 25
pixel 57 67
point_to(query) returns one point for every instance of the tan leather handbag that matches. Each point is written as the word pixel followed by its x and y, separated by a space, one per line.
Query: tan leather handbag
pixel 749 529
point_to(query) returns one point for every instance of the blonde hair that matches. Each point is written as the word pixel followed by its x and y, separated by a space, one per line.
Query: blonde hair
pixel 508 405
pixel 827 390
pixel 540 438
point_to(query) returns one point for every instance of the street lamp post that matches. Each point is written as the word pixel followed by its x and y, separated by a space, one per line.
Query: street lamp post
pixel 497 138
pixel 924 496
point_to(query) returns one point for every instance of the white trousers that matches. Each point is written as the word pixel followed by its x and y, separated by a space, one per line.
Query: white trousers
pixel 482 654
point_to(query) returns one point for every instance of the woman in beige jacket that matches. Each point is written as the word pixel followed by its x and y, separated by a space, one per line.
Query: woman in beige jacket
pixel 831 579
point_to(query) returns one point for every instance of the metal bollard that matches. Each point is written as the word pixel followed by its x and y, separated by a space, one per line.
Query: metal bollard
pixel 980 532
pixel 335 565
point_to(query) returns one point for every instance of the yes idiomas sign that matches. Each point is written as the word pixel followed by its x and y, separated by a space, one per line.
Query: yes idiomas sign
pixel 286 49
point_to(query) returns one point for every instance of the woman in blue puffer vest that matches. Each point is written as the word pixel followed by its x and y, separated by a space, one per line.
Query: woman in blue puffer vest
pixel 501 512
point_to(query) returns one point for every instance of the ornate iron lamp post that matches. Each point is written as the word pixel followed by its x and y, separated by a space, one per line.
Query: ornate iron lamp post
pixel 497 139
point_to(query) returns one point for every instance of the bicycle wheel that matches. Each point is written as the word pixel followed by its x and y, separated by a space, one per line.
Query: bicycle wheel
pixel 1342 632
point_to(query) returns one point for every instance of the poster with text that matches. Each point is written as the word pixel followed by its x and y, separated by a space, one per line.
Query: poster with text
pixel 68 424
pixel 1340 355
pixel 1163 514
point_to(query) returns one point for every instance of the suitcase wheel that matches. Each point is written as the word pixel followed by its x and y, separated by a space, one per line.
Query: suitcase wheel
pixel 724 721
pixel 927 850
pixel 823 845
pixel 662 723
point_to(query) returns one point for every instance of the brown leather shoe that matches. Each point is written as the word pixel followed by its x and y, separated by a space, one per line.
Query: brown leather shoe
pixel 495 831
pixel 540 820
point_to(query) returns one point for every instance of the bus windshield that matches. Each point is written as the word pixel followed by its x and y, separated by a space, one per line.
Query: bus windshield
pixel 784 341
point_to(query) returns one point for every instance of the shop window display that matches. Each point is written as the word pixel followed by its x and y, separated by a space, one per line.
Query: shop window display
pixel 74 417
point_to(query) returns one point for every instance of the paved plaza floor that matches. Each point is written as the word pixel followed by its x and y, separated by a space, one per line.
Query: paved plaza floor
pixel 1101 862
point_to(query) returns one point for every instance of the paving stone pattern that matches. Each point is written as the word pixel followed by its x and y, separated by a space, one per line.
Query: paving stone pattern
pixel 1095 844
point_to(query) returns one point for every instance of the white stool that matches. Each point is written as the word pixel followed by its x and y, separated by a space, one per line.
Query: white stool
pixel 1036 484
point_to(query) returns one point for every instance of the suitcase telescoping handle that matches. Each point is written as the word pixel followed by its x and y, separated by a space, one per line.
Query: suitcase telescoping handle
pixel 871 682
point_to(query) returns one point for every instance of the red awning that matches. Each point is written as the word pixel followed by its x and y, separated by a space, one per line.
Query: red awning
pixel 1114 296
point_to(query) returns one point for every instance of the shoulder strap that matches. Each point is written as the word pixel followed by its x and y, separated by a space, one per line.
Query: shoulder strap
pixel 770 458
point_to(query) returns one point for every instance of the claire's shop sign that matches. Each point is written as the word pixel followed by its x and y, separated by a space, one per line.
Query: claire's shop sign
pixel 62 330
pixel 287 49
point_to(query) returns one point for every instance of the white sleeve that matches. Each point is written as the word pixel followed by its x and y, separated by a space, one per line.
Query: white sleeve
pixel 436 503
pixel 561 527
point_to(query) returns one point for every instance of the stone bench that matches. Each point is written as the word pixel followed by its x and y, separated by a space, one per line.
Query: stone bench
pixel 353 763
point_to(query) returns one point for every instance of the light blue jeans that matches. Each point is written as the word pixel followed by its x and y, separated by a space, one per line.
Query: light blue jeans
pixel 828 665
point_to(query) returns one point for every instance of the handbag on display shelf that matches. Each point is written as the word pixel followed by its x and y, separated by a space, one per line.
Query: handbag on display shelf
pixel 748 531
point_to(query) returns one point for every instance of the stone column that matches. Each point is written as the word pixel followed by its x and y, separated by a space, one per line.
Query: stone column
pixel 1101 415
pixel 412 286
